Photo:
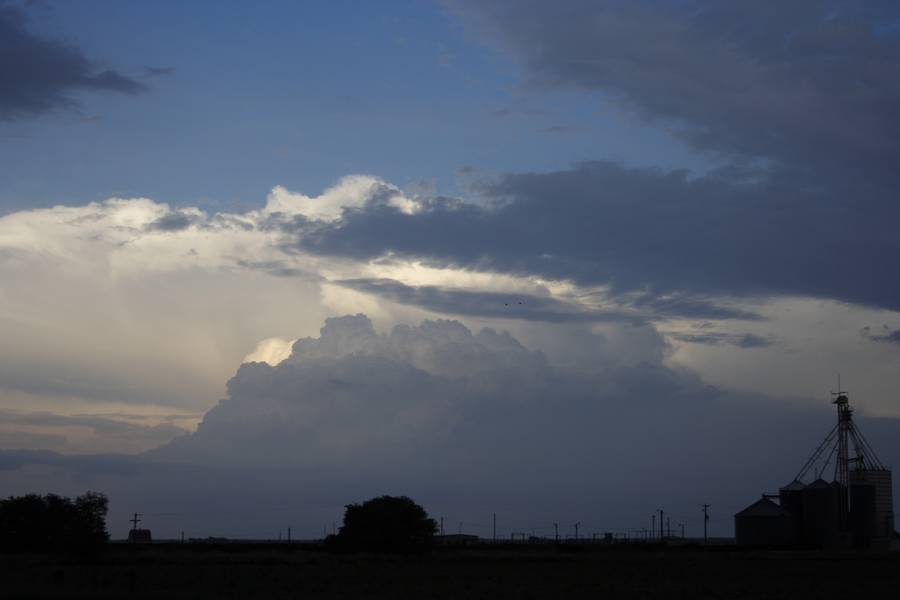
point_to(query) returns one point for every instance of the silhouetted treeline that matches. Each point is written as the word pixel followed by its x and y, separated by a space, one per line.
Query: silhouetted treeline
pixel 53 523
pixel 386 523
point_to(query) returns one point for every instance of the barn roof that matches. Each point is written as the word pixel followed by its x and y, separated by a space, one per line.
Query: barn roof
pixel 794 486
pixel 763 508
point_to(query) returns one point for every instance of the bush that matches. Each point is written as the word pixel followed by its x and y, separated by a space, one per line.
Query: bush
pixel 53 523
pixel 386 523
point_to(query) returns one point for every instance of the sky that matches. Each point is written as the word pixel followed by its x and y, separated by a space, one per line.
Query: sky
pixel 569 261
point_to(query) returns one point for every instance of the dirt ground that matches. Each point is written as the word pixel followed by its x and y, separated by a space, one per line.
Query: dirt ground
pixel 497 573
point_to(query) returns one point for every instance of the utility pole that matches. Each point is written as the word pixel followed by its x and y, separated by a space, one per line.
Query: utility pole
pixel 662 531
pixel 705 522
pixel 576 530
pixel 495 528
pixel 134 523
pixel 556 531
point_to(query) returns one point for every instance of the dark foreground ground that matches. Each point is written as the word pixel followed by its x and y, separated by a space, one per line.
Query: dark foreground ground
pixel 295 572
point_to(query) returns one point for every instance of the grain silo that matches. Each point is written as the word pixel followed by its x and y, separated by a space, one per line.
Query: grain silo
pixel 821 519
pixel 790 498
pixel 872 503
pixel 855 508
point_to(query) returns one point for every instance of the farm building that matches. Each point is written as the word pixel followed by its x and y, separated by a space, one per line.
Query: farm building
pixel 855 509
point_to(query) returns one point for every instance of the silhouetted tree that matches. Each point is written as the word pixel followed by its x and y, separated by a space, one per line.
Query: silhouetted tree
pixel 51 522
pixel 388 523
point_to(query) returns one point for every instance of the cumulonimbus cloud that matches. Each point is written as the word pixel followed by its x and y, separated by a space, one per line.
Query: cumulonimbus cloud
pixel 459 419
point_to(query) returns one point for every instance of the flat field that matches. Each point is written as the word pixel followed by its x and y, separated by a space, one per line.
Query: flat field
pixel 243 571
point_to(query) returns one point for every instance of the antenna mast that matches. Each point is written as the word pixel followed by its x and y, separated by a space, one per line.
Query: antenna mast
pixel 847 445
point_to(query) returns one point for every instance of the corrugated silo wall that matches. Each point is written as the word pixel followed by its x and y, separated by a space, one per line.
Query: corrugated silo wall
pixel 863 521
pixel 792 501
pixel 821 516
pixel 884 499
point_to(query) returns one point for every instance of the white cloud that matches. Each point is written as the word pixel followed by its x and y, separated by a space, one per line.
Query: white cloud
pixel 353 191
pixel 271 351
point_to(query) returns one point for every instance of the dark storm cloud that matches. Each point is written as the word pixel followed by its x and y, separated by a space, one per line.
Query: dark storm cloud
pixel 483 304
pixel 530 307
pixel 37 75
pixel 660 233
pixel 811 81
pixel 799 100
pixel 741 340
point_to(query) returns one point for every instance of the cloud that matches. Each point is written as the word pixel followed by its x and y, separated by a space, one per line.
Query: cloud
pixel 26 440
pixel 796 83
pixel 134 301
pixel 158 71
pixel 137 303
pixel 642 230
pixel 885 334
pixel 560 130
pixel 740 340
pixel 271 351
pixel 485 304
pixel 437 396
pixel 86 432
pixel 175 221
pixel 795 102
pixel 460 421
pixel 352 192
pixel 38 75
pixel 535 113
pixel 531 307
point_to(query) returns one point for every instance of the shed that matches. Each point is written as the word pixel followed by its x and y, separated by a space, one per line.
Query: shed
pixel 140 536
pixel 764 523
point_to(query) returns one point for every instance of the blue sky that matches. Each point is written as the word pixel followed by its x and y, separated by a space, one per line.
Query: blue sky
pixel 297 94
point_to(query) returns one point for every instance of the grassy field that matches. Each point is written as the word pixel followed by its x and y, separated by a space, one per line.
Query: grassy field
pixel 295 572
